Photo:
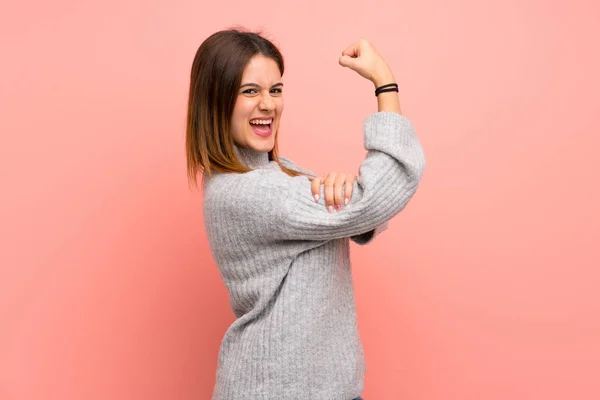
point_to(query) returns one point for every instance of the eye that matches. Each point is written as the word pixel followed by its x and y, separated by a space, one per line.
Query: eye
pixel 276 90
pixel 250 91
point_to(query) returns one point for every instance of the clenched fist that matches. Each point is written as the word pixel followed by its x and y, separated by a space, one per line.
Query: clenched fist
pixel 363 58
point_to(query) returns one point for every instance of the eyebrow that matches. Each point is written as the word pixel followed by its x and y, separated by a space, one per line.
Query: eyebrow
pixel 255 85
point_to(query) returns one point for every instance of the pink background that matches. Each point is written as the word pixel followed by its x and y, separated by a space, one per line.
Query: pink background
pixel 485 287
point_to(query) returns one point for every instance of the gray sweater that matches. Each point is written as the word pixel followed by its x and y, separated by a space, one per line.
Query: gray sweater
pixel 285 261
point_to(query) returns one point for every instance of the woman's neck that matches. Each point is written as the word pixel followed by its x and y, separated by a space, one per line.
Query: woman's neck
pixel 250 157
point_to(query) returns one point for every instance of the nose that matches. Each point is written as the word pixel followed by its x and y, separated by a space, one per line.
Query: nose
pixel 266 103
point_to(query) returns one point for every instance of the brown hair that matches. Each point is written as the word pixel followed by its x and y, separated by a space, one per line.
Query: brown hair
pixel 214 82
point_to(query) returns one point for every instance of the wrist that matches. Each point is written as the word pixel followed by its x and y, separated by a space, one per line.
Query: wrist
pixel 383 79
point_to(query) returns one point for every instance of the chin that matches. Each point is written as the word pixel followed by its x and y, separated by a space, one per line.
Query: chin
pixel 264 145
pixel 264 148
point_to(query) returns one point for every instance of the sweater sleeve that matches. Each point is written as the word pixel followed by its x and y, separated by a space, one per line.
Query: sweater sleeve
pixel 275 206
pixel 361 239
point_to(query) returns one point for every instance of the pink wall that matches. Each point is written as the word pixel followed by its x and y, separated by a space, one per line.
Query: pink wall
pixel 486 287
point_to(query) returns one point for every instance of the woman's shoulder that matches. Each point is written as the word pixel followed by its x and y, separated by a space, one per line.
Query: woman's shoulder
pixel 232 186
pixel 252 196
pixel 226 187
pixel 272 172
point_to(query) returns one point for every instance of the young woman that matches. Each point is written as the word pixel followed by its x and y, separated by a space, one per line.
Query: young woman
pixel 283 253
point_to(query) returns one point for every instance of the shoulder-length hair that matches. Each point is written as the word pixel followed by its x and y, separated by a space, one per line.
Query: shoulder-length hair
pixel 214 82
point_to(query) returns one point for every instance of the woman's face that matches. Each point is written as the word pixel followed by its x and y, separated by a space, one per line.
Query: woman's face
pixel 258 106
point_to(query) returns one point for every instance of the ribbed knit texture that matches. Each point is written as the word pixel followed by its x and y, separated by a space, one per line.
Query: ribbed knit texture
pixel 286 263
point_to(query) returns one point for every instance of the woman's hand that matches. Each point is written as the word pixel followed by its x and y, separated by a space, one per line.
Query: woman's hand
pixel 334 183
pixel 363 58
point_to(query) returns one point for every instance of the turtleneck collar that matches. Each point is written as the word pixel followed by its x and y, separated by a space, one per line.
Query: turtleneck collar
pixel 250 157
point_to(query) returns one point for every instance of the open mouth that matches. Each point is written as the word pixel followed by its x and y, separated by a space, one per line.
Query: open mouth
pixel 262 127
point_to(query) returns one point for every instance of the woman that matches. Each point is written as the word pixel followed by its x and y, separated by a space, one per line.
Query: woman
pixel 282 254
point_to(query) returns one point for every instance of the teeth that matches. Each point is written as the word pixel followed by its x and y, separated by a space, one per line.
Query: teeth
pixel 261 121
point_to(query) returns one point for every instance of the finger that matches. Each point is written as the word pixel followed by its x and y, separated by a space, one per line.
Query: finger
pixel 316 188
pixel 352 51
pixel 347 59
pixel 348 62
pixel 348 189
pixel 337 192
pixel 328 190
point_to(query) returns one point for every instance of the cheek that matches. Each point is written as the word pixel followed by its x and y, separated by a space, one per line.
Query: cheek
pixel 237 125
pixel 242 108
pixel 240 114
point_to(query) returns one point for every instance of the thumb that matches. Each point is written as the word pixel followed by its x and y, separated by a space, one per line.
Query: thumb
pixel 347 61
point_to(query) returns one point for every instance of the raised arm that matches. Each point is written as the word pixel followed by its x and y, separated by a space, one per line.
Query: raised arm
pixel 272 206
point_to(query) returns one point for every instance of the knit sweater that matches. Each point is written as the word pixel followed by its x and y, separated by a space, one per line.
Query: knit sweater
pixel 285 261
